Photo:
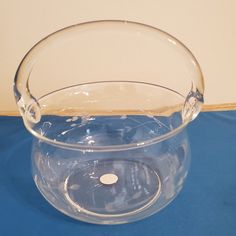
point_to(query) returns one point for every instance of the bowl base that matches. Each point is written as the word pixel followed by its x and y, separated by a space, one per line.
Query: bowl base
pixel 110 188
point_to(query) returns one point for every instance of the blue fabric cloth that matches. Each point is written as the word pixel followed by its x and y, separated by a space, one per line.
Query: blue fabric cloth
pixel 206 205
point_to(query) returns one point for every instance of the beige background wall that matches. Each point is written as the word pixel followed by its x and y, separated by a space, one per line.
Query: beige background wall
pixel 207 27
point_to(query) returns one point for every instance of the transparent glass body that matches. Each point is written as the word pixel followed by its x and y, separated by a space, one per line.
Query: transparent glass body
pixel 107 103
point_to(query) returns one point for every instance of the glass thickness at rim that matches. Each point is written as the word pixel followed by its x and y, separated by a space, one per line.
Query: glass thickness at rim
pixel 109 148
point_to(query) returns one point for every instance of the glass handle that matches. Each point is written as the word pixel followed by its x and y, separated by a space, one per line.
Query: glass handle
pixel 28 105
pixel 192 105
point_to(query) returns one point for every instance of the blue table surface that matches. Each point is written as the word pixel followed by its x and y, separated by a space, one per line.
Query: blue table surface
pixel 206 205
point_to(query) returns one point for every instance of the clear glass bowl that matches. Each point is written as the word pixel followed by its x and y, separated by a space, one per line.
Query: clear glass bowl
pixel 107 103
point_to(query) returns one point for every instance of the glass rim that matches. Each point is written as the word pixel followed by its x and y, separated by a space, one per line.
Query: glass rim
pixel 88 148
pixel 104 148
